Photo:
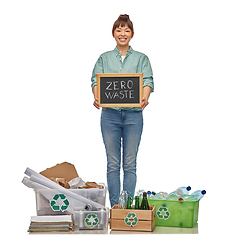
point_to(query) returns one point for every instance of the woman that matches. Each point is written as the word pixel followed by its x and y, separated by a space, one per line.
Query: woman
pixel 122 127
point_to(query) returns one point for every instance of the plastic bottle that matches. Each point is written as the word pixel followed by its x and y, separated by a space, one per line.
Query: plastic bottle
pixel 160 196
pixel 180 192
pixel 195 196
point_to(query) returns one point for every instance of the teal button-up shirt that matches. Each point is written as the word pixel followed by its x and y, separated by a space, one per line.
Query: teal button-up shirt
pixel 134 62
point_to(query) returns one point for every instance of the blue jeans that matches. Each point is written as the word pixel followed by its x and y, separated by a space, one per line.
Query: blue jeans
pixel 121 129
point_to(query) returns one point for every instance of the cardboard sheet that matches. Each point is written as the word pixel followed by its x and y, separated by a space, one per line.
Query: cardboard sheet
pixel 63 170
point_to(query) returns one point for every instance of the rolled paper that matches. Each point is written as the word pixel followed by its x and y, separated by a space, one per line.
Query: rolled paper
pixel 30 173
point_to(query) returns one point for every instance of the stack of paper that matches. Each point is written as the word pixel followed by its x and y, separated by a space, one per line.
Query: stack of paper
pixel 57 223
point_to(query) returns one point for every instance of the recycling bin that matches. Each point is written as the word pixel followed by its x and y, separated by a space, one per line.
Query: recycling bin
pixel 175 213
pixel 91 220
pixel 132 219
pixel 52 202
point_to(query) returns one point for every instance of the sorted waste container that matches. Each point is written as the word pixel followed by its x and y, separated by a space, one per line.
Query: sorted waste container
pixel 91 220
pixel 53 202
pixel 175 213
pixel 86 205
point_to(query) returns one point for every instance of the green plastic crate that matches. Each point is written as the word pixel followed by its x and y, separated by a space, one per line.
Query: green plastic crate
pixel 175 213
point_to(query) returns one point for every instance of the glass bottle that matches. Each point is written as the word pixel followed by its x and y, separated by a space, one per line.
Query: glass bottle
pixel 129 203
pixel 136 203
pixel 144 205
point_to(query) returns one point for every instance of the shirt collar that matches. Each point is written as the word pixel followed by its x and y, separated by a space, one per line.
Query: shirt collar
pixel 118 53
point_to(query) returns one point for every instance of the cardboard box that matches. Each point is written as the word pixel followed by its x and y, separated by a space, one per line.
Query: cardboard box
pixel 132 220
pixel 63 170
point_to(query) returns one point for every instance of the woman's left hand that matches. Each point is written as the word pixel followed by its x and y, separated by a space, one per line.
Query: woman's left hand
pixel 144 103
pixel 146 94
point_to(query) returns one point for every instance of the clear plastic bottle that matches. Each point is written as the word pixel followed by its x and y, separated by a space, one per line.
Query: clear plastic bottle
pixel 195 196
pixel 161 196
pixel 181 192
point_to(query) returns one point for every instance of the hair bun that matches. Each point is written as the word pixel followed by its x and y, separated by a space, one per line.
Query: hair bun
pixel 123 17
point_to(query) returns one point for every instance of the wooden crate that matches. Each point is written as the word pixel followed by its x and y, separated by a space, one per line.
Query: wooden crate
pixel 132 220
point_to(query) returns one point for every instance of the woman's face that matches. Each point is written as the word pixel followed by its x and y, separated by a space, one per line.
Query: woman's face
pixel 123 35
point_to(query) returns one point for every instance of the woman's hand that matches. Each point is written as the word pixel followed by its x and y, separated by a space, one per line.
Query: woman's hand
pixel 146 94
pixel 95 103
pixel 144 103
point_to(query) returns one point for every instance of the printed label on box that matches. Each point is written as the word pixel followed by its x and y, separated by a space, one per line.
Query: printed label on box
pixel 91 220
pixel 163 213
pixel 131 219
pixel 59 202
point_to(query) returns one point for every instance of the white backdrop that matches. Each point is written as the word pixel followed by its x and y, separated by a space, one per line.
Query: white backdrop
pixel 191 126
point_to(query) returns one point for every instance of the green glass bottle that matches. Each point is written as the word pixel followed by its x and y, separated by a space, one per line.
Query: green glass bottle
pixel 137 203
pixel 129 203
pixel 144 202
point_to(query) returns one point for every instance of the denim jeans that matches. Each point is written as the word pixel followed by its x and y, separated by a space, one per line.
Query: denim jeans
pixel 121 130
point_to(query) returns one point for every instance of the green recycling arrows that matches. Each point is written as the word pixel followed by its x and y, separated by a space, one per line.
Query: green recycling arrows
pixel 91 220
pixel 55 203
pixel 163 213
pixel 131 219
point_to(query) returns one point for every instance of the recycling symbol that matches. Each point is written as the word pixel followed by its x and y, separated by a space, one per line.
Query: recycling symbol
pixel 131 219
pixel 91 220
pixel 59 202
pixel 163 213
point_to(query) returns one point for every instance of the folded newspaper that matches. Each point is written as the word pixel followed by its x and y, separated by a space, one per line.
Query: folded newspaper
pixel 60 223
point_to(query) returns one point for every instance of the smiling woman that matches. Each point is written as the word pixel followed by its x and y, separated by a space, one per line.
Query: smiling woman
pixel 122 126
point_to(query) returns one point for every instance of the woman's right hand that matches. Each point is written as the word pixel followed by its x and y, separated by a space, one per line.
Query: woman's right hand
pixel 95 103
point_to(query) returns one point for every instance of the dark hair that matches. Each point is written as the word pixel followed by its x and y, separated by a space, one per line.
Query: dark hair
pixel 121 21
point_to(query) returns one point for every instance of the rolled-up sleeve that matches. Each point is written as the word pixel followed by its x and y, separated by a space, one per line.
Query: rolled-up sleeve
pixel 98 68
pixel 147 73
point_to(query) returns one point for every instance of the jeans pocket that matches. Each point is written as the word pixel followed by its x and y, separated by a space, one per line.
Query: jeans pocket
pixel 104 109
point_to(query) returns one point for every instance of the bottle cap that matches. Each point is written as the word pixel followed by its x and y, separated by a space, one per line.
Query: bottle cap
pixel 179 192
pixel 165 195
pixel 203 192
pixel 188 188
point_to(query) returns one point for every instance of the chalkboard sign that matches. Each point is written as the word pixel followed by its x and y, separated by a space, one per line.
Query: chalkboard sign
pixel 119 89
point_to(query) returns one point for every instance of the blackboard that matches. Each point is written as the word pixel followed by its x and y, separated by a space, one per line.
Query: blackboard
pixel 119 89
